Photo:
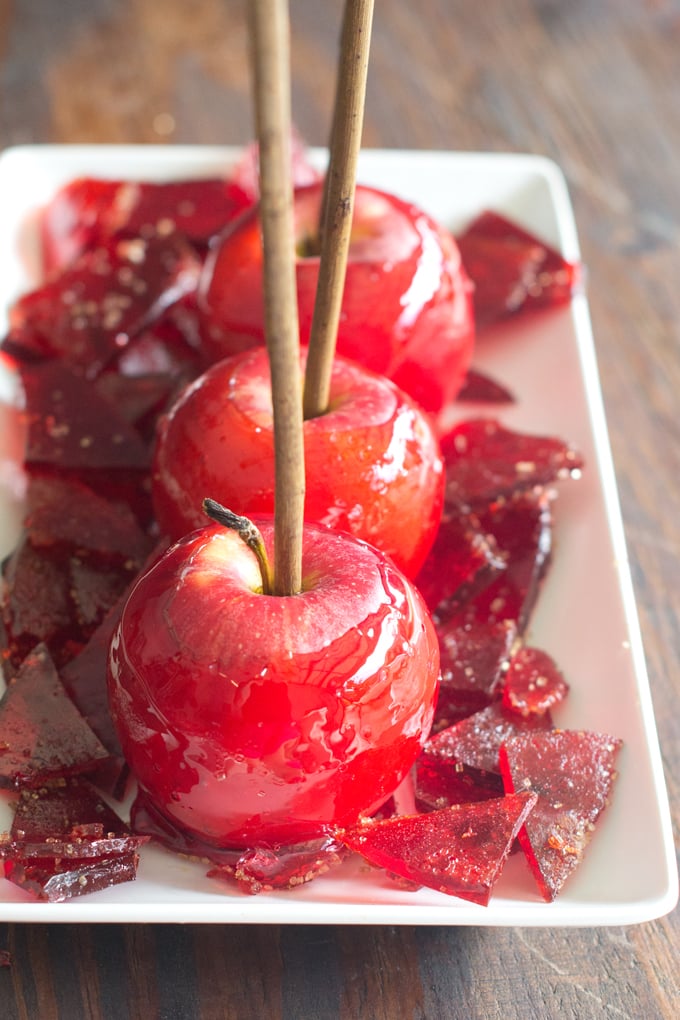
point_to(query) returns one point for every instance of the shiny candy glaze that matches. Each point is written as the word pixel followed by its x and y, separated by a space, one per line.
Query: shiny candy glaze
pixel 373 462
pixel 407 305
pixel 248 717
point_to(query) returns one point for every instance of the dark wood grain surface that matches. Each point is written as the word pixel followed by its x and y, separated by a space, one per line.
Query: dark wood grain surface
pixel 594 84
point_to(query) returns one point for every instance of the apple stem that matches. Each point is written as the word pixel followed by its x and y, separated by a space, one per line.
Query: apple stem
pixel 338 202
pixel 270 35
pixel 248 532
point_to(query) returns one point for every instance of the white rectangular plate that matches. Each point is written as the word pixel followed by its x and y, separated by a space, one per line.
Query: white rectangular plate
pixel 586 615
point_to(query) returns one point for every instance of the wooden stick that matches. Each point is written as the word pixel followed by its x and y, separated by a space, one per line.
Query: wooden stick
pixel 338 202
pixel 270 34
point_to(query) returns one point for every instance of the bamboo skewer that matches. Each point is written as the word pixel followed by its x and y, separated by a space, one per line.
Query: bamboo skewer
pixel 270 35
pixel 338 202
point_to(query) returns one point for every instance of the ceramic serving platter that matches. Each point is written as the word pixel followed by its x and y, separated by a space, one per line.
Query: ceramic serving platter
pixel 585 618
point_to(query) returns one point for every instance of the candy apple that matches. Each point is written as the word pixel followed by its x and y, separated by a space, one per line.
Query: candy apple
pixel 372 461
pixel 407 305
pixel 251 718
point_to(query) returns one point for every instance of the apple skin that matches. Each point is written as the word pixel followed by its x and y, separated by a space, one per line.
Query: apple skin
pixel 373 463
pixel 250 718
pixel 407 308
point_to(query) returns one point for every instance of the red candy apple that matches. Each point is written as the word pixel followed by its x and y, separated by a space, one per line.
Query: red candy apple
pixel 407 305
pixel 250 718
pixel 372 461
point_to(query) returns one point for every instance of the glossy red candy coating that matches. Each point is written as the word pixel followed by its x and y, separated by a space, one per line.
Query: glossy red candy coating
pixel 247 717
pixel 372 462
pixel 407 307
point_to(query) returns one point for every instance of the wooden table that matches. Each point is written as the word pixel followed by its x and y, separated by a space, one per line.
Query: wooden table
pixel 594 84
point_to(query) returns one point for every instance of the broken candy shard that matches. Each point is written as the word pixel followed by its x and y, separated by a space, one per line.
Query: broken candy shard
pixel 476 740
pixel 78 553
pixel 66 516
pixel 281 867
pixel 512 270
pixel 71 426
pixel 53 812
pixel 473 659
pixel 89 311
pixel 65 841
pixel 442 785
pixel 533 683
pixel 459 850
pixel 486 461
pixel 480 388
pixel 47 879
pixel 522 530
pixel 86 211
pixel 572 773
pixel 462 560
pixel 42 734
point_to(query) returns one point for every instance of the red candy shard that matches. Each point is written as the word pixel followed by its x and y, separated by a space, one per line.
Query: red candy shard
pixel 512 270
pixel 473 658
pixel 139 398
pixel 263 869
pixel 72 221
pixel 36 606
pixel 72 813
pixel 485 461
pixel 88 312
pixel 522 529
pixel 71 426
pixel 475 741
pixel 78 553
pixel 462 560
pixel 480 388
pixel 86 211
pixel 47 879
pixel 533 683
pixel 66 516
pixel 459 850
pixel 66 841
pixel 572 772
pixel 43 734
pixel 84 677
pixel 438 786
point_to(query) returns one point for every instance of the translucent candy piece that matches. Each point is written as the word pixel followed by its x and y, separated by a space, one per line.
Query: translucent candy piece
pixel 42 734
pixel 512 270
pixel 476 740
pixel 572 772
pixel 533 682
pixel 459 850
pixel 486 461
